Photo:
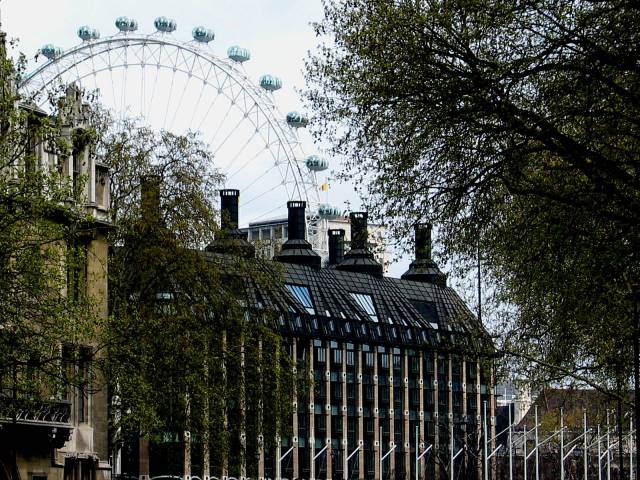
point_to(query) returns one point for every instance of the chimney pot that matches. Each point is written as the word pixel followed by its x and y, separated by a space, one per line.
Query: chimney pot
pixel 296 249
pixel 360 259
pixel 296 219
pixel 229 199
pixel 231 240
pixel 359 230
pixel 423 268
pixel 336 246
pixel 423 241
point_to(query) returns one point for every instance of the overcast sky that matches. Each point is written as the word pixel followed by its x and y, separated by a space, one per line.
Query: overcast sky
pixel 277 32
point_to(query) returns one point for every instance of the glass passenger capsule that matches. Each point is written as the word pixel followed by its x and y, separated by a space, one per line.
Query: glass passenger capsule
pixel 316 163
pixel 203 34
pixel 51 51
pixel 270 83
pixel 326 210
pixel 164 24
pixel 297 120
pixel 126 24
pixel 238 54
pixel 87 33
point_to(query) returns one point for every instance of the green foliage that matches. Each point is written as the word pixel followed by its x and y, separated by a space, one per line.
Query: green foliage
pixel 43 249
pixel 187 348
pixel 514 127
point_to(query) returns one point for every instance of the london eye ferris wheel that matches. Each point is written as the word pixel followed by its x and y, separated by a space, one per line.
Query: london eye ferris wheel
pixel 186 86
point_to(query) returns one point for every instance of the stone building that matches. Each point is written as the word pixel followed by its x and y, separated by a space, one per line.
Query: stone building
pixel 398 365
pixel 63 435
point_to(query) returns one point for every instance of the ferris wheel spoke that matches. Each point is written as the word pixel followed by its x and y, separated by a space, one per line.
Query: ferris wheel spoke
pixel 177 109
pixel 256 180
pixel 141 61
pixel 123 92
pixel 153 90
pixel 142 92
pixel 166 112
pixel 258 197
pixel 48 92
pixel 242 149
pixel 254 125
pixel 229 135
pixel 220 124
pixel 75 66
pixel 57 65
pixel 113 88
pixel 246 164
pixel 280 206
pixel 195 109
pixel 215 99
pixel 184 90
pixel 93 68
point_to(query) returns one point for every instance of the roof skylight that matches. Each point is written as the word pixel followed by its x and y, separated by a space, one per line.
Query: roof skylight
pixel 302 294
pixel 365 302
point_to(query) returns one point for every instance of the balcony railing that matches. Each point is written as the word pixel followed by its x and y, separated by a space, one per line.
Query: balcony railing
pixel 55 413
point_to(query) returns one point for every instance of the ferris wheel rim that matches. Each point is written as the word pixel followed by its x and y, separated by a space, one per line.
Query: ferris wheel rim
pixel 305 185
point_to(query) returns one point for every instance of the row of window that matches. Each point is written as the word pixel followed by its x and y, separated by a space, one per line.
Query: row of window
pixel 365 304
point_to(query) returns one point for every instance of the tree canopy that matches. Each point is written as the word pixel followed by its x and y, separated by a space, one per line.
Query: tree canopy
pixel 186 349
pixel 44 228
pixel 514 127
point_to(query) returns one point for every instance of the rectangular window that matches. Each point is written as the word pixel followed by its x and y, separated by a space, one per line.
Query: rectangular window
pixel 369 425
pixel 351 391
pixel 337 356
pixel 351 357
pixel 369 393
pixel 265 233
pixel 397 362
pixel 384 395
pixel 368 359
pixel 302 295
pixel 428 311
pixel 415 365
pixel 351 425
pixel 321 355
pixel 428 398
pixel 384 360
pixel 428 363
pixel 321 389
pixel 365 302
pixel 337 390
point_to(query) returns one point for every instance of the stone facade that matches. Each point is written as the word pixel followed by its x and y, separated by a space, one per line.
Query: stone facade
pixel 65 435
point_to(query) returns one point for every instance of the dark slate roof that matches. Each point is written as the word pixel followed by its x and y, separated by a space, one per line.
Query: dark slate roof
pixel 409 313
